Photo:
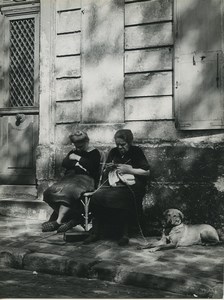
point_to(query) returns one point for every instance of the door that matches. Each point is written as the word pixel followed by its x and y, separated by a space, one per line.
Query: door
pixel 19 84
pixel 199 64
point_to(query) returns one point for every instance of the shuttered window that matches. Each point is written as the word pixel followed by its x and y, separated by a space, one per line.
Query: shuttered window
pixel 198 77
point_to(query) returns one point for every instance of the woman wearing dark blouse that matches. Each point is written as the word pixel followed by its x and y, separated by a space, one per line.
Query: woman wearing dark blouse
pixel 119 197
pixel 81 175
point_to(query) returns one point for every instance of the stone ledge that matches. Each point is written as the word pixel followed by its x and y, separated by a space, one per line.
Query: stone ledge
pixel 24 208
pixel 157 275
pixel 12 257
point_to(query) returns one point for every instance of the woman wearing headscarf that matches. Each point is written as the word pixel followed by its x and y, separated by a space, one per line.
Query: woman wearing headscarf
pixel 124 182
pixel 81 175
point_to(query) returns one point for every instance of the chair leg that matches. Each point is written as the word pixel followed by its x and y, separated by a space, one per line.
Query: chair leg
pixel 86 212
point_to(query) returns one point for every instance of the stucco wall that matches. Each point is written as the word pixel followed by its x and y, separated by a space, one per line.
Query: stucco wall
pixel 188 175
pixel 186 166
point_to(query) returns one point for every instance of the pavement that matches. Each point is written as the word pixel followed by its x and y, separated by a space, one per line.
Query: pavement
pixel 190 272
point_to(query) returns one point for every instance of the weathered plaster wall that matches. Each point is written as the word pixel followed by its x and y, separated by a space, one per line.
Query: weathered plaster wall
pixel 67 68
pixel 187 174
pixel 102 61
pixel 186 166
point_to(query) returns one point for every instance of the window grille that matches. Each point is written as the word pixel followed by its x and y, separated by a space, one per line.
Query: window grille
pixel 21 70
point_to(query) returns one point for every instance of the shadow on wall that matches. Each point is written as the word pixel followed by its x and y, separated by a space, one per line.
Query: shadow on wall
pixel 187 178
pixel 181 177
pixel 202 41
pixel 184 177
pixel 195 31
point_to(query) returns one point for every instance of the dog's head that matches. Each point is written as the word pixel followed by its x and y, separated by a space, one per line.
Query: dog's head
pixel 173 217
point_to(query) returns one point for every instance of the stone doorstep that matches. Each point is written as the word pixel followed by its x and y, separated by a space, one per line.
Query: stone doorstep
pixel 146 277
pixel 32 209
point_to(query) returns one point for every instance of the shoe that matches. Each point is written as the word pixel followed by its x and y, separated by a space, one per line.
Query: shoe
pixel 123 241
pixel 66 226
pixel 50 226
pixel 91 239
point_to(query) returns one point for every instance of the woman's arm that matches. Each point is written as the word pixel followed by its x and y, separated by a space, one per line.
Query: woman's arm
pixel 69 163
pixel 127 169
pixel 139 165
pixel 90 163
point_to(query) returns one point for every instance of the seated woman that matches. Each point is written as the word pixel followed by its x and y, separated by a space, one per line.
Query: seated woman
pixel 120 197
pixel 82 174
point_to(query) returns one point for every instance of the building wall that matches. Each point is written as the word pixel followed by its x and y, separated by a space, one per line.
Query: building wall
pixel 106 65
pixel 126 85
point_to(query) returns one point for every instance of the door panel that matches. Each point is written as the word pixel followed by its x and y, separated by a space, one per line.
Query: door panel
pixel 198 64
pixel 17 153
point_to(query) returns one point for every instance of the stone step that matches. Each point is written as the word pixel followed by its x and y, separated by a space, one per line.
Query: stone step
pixel 24 208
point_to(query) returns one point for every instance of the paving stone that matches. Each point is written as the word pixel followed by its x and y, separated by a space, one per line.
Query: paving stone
pixel 192 270
pixel 12 257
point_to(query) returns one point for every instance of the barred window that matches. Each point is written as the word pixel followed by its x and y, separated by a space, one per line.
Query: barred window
pixel 21 69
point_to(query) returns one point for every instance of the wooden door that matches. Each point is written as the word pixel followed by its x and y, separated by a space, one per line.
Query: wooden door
pixel 19 78
pixel 198 64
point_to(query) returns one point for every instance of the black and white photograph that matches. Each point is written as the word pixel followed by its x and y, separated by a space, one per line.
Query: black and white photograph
pixel 111 149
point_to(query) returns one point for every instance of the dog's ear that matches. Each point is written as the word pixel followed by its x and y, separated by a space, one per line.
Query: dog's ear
pixel 181 215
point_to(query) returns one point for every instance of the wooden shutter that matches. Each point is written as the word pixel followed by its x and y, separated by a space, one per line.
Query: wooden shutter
pixel 198 64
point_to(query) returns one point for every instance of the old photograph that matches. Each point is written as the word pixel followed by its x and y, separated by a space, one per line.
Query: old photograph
pixel 111 149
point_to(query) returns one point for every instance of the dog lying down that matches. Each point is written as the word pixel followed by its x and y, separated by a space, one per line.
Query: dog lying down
pixel 178 234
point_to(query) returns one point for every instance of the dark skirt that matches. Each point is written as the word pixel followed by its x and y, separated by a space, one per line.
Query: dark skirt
pixel 68 190
pixel 115 206
pixel 119 197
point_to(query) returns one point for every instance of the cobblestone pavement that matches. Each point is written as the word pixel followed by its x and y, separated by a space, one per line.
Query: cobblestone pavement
pixel 195 271
pixel 26 284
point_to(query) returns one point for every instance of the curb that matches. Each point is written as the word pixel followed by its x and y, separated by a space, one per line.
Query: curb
pixel 148 279
pixel 105 270
pixel 13 257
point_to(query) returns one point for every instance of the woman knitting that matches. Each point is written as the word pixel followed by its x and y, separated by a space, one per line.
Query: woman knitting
pixel 124 182
pixel 82 174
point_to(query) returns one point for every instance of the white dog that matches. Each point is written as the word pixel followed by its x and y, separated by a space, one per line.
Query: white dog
pixel 178 234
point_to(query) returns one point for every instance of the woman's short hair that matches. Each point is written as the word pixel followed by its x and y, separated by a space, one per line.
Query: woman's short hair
pixel 79 137
pixel 124 134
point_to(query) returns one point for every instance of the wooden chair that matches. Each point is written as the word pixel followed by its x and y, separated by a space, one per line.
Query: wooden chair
pixel 87 195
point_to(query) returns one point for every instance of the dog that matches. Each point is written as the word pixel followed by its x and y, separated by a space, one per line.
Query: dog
pixel 177 234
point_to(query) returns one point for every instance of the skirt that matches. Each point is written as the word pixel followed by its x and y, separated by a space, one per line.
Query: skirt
pixel 68 190
pixel 119 197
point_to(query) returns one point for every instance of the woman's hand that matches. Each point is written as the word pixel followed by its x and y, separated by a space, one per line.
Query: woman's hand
pixel 74 156
pixel 125 169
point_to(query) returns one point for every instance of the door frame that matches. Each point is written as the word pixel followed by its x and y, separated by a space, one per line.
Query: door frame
pixel 15 11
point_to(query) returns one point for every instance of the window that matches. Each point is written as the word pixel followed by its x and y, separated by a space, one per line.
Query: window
pixel 20 57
